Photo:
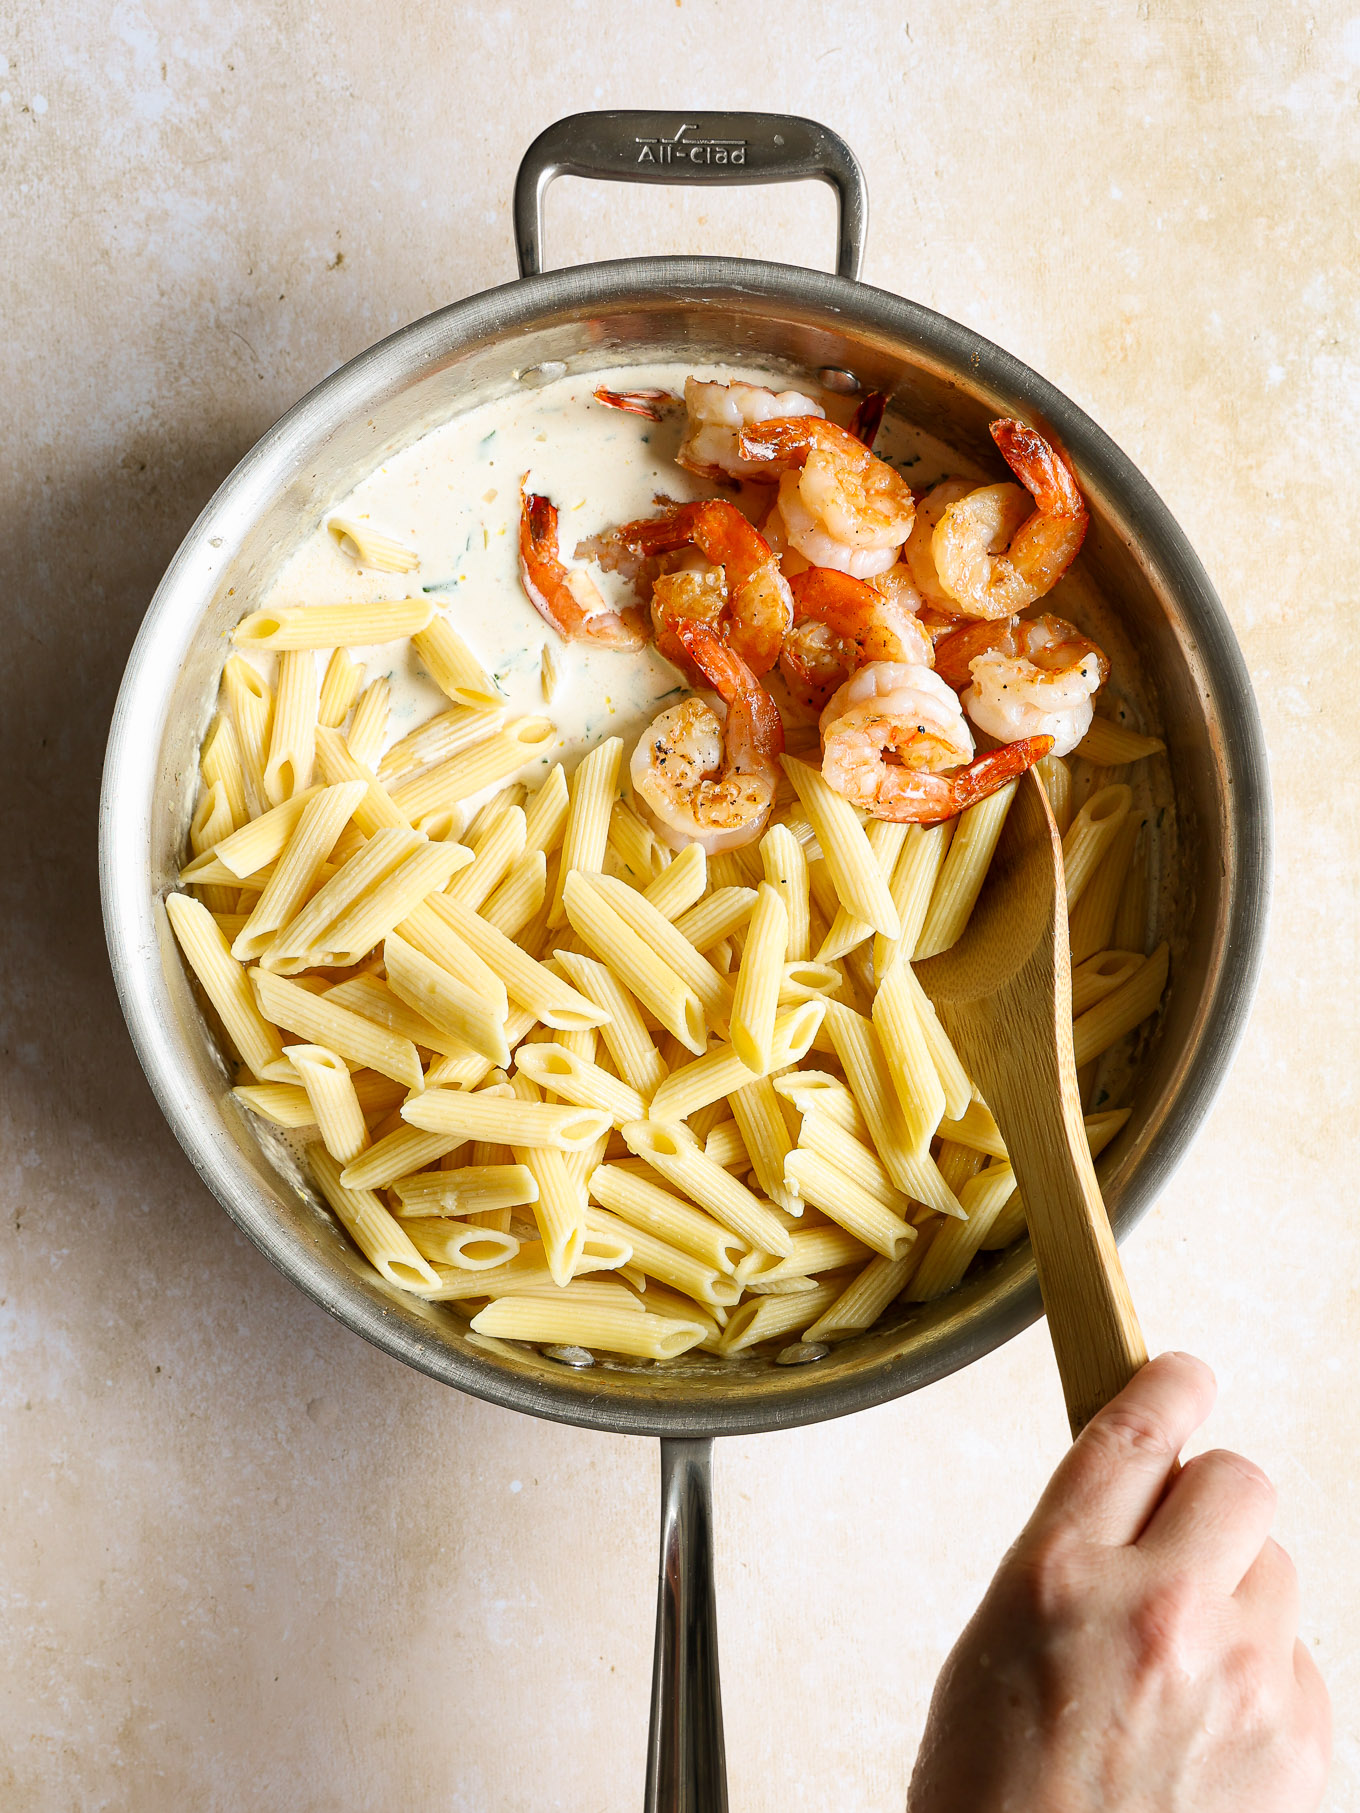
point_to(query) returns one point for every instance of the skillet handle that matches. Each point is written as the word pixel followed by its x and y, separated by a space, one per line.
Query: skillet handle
pixel 686 1760
pixel 703 148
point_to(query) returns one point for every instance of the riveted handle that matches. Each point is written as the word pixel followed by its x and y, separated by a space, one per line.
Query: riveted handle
pixel 703 148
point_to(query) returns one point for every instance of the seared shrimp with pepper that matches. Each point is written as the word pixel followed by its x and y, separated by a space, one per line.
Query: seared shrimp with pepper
pixel 840 624
pixel 992 554
pixel 704 779
pixel 839 505
pixel 896 744
pixel 1025 677
pixel 568 599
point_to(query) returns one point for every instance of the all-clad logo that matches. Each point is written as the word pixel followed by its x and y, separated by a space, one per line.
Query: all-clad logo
pixel 682 150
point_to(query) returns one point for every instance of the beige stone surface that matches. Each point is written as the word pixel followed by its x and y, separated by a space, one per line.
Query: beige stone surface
pixel 247 1562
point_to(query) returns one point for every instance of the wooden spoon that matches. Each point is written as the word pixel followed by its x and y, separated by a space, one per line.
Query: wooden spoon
pixel 1003 993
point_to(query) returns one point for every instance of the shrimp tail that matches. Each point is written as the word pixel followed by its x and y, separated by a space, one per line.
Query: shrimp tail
pixel 637 402
pixel 990 772
pixel 1041 468
pixel 752 713
pixel 561 597
pixel 868 417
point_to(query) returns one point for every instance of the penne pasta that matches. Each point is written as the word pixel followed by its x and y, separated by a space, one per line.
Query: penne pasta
pixel 531 1124
pixel 453 667
pixel 849 856
pixel 375 812
pixel 866 1297
pixel 593 787
pixel 448 783
pixel 339 685
pixel 720 1071
pixel 459 1243
pixel 461 727
pixel 466 1191
pixel 301 942
pixel 771 1318
pixel 298 869
pixel 847 1203
pixel 388 903
pixel 635 963
pixel 333 1098
pixel 494 853
pixel 545 813
pixel 625 1033
pixel 908 1052
pixel 1100 975
pixel 640 1201
pixel 377 1234
pixel 1110 745
pixel 785 866
pixel 765 1140
pixel 672 1150
pixel 640 853
pixel 681 884
pixel 524 1318
pixel 655 1258
pixel 224 983
pixel 520 895
pixel 963 871
pixel 320 1022
pixel 368 730
pixel 710 921
pixel 954 1243
pixel 1091 922
pixel 669 943
pixel 432 935
pixel 756 995
pixel 250 702
pixel 444 1001
pixel 219 761
pixel 308 626
pixel 527 982
pixel 575 1079
pixel 292 733
pixel 886 840
pixel 1122 1009
pixel 363 543
pixel 1090 835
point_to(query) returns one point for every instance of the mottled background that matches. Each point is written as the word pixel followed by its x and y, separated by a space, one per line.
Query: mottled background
pixel 245 1560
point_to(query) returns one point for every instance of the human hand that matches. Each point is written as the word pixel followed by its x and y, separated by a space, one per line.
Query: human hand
pixel 1137 1650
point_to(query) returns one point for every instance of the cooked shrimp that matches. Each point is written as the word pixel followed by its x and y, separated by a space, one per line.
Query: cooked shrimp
pixel 992 584
pixel 841 624
pixel 716 415
pixel 1013 504
pixel 569 600
pixel 1029 677
pixel 840 506
pixel 895 744
pixel 755 610
pixel 646 403
pixel 702 779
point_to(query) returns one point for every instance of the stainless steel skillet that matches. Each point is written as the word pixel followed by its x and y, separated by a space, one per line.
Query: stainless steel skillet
pixel 832 330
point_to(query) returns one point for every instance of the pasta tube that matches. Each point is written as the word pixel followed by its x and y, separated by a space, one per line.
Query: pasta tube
pixel 758 980
pixel 845 845
pixel 292 734
pixel 453 667
pixel 593 787
pixel 963 872
pixel 377 1234
pixel 333 1098
pixel 224 982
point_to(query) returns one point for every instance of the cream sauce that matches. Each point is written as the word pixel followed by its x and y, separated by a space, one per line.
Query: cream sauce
pixel 453 497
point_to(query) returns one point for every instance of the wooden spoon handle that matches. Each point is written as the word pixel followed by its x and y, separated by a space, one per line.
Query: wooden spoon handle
pixel 1096 1338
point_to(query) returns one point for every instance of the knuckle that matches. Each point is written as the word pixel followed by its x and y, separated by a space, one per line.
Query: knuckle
pixel 1243 1472
pixel 1125 1430
pixel 1052 1577
pixel 1167 1625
